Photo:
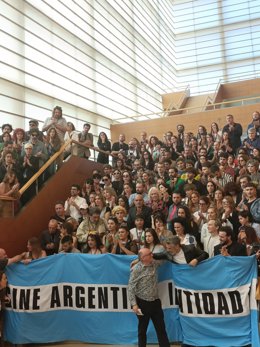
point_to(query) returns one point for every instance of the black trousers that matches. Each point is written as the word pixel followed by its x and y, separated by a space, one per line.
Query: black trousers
pixel 151 310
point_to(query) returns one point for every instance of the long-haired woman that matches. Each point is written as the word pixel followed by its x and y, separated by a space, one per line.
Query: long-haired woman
pixel 53 145
pixel 161 229
pixel 147 160
pixel 248 237
pixel 94 245
pixel 10 187
pixel 35 250
pixel 101 204
pixel 71 134
pixel 19 138
pixel 215 132
pixel 151 241
pixel 181 229
pixel 105 145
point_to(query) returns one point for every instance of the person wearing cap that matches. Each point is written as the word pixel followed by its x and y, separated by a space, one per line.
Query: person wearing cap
pixel 83 211
pixel 34 124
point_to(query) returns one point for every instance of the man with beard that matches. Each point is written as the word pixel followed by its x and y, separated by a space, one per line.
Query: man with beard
pixel 227 246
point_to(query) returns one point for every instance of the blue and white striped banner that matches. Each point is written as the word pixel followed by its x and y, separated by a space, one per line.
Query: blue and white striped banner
pixel 217 302
pixel 84 297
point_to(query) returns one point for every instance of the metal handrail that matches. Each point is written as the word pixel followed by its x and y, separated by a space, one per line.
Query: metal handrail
pixel 52 159
pixel 7 198
pixel 196 107
pixel 175 106
pixel 44 167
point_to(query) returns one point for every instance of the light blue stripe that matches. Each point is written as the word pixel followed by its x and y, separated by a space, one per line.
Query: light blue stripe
pixel 121 327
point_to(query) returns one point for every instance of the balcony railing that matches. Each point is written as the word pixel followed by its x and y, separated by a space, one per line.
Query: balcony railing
pixel 7 204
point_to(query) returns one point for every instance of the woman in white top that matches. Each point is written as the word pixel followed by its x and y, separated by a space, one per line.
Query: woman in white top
pixel 215 132
pixel 71 134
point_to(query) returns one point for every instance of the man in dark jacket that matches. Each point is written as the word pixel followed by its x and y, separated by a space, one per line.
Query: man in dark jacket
pixel 139 208
pixel 227 246
pixel 181 254
pixel 234 131
pixel 50 238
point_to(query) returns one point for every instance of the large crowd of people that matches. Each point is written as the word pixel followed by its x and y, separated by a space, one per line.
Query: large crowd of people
pixel 158 195
pixel 195 186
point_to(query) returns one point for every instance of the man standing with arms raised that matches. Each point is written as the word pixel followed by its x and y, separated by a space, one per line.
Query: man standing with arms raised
pixel 144 298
